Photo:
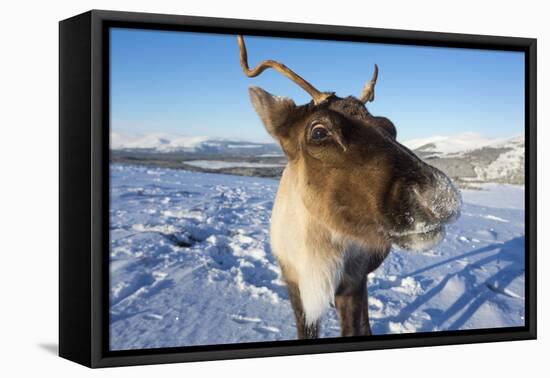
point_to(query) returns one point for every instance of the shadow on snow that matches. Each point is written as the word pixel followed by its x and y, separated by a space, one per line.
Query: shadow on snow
pixel 511 252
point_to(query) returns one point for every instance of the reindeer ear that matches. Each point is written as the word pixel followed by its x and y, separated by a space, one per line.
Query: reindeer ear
pixel 274 112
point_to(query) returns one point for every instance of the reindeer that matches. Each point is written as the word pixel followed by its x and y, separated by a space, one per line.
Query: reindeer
pixel 347 194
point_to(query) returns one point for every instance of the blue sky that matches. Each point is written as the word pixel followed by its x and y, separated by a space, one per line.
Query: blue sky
pixel 192 84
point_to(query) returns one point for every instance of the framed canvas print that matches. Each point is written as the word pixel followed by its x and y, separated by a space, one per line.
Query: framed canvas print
pixel 234 188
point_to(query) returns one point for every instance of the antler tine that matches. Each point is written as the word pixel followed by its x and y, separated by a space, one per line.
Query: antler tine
pixel 368 90
pixel 317 96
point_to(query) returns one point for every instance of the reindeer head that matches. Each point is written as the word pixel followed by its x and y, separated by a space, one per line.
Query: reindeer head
pixel 351 172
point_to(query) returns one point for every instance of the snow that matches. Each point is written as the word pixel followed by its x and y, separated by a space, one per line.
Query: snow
pixel 272 155
pixel 244 145
pixel 191 265
pixel 450 144
pixel 464 142
pixel 162 142
pixel 496 195
pixel 220 164
pixel 505 165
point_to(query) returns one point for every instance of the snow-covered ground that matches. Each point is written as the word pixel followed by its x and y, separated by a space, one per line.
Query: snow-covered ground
pixel 191 265
pixel 219 164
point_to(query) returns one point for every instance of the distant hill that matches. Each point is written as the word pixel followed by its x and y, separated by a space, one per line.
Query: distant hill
pixel 468 158
pixel 471 158
pixel 174 143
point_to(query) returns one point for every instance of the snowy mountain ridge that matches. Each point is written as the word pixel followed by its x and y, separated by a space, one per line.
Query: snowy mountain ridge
pixel 469 158
pixel 461 143
pixel 167 143
pixel 472 158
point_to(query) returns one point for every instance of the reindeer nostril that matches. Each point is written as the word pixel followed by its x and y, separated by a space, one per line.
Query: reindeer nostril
pixel 440 199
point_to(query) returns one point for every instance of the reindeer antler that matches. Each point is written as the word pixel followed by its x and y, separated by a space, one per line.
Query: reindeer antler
pixel 368 90
pixel 317 96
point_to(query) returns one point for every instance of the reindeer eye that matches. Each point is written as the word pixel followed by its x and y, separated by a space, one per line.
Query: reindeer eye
pixel 319 132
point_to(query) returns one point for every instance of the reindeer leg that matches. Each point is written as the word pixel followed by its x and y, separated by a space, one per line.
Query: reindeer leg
pixel 350 303
pixel 365 326
pixel 305 331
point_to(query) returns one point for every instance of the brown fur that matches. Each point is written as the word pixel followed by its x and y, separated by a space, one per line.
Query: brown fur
pixel 343 201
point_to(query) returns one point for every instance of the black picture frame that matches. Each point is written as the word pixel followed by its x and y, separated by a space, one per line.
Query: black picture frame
pixel 84 188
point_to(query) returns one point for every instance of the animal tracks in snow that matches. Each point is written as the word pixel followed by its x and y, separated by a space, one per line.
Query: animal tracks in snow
pixel 245 319
pixel 267 329
pixel 255 323
pixel 191 265
pixel 406 285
